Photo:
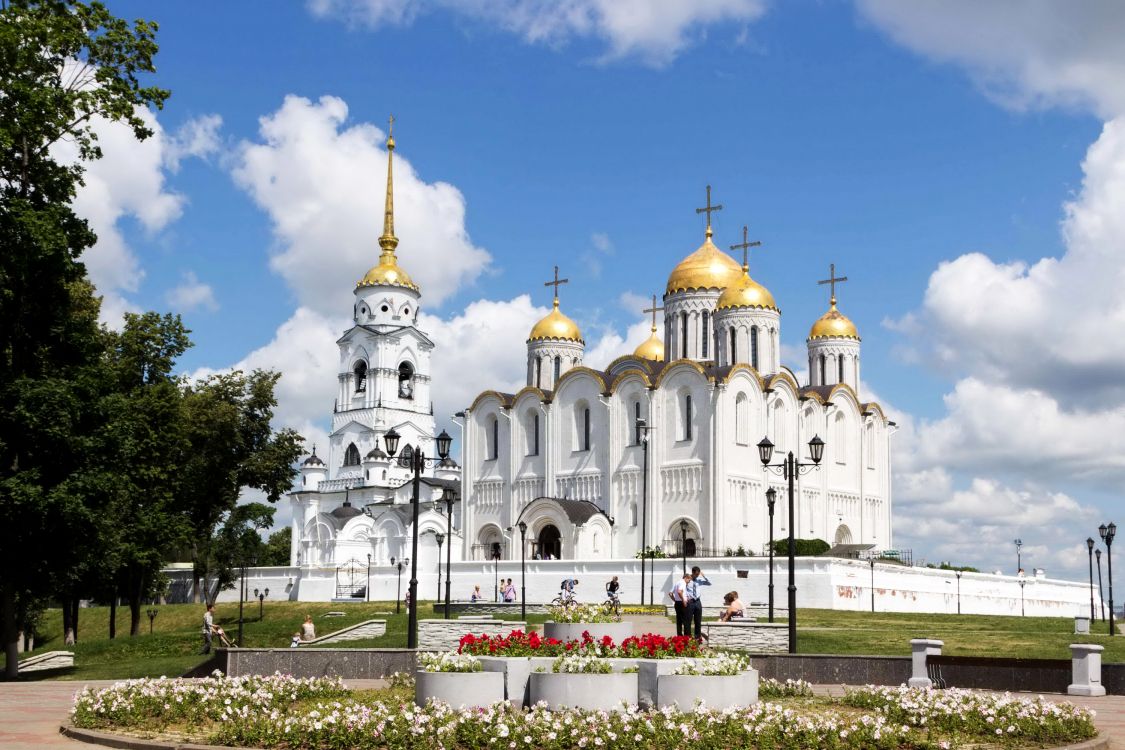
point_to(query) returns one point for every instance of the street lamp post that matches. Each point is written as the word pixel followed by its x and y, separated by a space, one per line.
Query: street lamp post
pixel 1101 594
pixel 241 598
pixel 523 570
pixel 367 588
pixel 872 563
pixel 398 592
pixel 1108 533
pixel 683 542
pixel 440 540
pixel 958 592
pixel 417 461
pixel 261 597
pixel 771 501
pixel 151 612
pixel 496 575
pixel 1022 584
pixel 1019 560
pixel 790 468
pixel 642 428
pixel 448 496
pixel 1090 555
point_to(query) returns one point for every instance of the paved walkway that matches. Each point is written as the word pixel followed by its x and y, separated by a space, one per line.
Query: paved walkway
pixel 30 713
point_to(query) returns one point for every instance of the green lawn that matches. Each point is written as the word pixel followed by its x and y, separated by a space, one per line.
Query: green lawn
pixel 173 647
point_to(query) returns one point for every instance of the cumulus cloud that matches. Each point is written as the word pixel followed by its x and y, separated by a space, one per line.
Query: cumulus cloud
pixel 322 181
pixel 192 294
pixel 652 31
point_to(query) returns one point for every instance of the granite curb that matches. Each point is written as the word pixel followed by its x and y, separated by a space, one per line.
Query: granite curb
pixel 105 739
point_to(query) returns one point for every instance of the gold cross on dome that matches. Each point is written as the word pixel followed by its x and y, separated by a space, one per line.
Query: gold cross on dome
pixel 654 310
pixel 833 280
pixel 556 284
pixel 745 246
pixel 708 209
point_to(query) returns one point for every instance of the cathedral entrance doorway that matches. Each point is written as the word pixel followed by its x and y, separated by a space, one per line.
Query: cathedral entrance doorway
pixel 550 543
pixel 843 535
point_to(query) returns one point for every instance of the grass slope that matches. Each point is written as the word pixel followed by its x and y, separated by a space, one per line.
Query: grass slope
pixel 173 647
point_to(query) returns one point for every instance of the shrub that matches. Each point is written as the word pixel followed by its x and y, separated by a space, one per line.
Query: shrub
pixel 449 661
pixel 805 547
pixel 581 663
pixel 580 613
pixel 719 665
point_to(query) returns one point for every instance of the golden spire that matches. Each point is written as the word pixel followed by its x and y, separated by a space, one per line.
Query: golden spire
pixel 556 284
pixel 653 348
pixel 556 325
pixel 388 241
pixel 708 209
pixel 833 324
pixel 833 280
pixel 745 246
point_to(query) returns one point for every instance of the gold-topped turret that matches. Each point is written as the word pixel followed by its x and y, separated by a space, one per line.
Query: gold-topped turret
pixel 555 325
pixel 388 272
pixel 653 348
pixel 833 324
pixel 708 267
pixel 745 292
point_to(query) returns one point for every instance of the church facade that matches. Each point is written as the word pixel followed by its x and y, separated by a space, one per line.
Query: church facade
pixel 660 447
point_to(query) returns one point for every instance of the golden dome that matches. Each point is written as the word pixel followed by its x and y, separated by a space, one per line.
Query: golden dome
pixel 833 324
pixel 745 292
pixel 387 273
pixel 706 268
pixel 556 326
pixel 652 349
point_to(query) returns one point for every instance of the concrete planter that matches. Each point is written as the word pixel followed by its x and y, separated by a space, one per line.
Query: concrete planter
pixel 459 689
pixel 716 691
pixel 649 672
pixel 595 692
pixel 517 671
pixel 572 631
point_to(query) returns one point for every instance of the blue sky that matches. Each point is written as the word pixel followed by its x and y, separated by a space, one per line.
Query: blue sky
pixel 886 139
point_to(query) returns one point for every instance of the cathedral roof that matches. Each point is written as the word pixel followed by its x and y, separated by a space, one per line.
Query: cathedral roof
pixel 746 292
pixel 651 349
pixel 313 460
pixel 833 324
pixel 388 272
pixel 346 511
pixel 556 326
pixel 707 268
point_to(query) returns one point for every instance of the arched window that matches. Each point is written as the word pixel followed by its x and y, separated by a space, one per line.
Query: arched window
pixel 841 439
pixel 538 372
pixel 754 346
pixel 733 347
pixel 689 416
pixel 840 368
pixel 636 423
pixel 823 373
pixel 558 371
pixel 632 514
pixel 706 332
pixel 494 438
pixel 406 380
pixel 742 419
pixel 406 456
pixel 351 455
pixel 532 434
pixel 586 429
pixel 360 371
pixel 683 335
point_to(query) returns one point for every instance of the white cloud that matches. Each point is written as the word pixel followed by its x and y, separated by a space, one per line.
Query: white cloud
pixel 323 184
pixel 652 31
pixel 1022 53
pixel 198 137
pixel 192 294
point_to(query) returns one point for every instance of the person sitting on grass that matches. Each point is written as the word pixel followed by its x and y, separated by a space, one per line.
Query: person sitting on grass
pixel 296 640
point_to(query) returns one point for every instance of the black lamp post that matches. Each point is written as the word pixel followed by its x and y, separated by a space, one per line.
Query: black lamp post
pixel 958 592
pixel 642 428
pixel 448 496
pixel 1090 554
pixel 771 501
pixel 871 562
pixel 1108 533
pixel 683 542
pixel 523 570
pixel 398 593
pixel 417 462
pixel 367 588
pixel 241 598
pixel 790 468
pixel 1022 584
pixel 496 574
pixel 1101 594
pixel 261 597
pixel 440 540
pixel 1019 560
pixel 151 612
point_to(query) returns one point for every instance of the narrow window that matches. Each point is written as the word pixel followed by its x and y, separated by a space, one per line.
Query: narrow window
pixel 360 377
pixel 586 429
pixel 687 417
pixel 840 367
pixel 494 453
pixel 558 369
pixel 351 456
pixel 538 372
pixel 405 381
pixel 535 434
pixel 742 420
pixel 754 347
pixel 683 335
pixel 706 332
pixel 823 374
pixel 733 347
pixel 636 423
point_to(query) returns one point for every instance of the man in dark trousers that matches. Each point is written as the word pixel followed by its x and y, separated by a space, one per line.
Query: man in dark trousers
pixel 208 628
pixel 694 602
pixel 678 595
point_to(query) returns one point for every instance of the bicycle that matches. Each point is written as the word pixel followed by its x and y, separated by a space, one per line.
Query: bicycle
pixel 565 599
pixel 612 605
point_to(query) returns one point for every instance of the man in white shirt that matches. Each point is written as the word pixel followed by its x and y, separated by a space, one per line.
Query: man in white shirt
pixel 679 602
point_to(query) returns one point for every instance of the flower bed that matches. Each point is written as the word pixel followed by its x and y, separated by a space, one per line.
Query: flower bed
pixel 722 681
pixel 518 643
pixel 580 614
pixel 769 688
pixel 264 712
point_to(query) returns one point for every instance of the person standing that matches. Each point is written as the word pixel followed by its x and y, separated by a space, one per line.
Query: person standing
pixel 695 602
pixel 509 591
pixel 208 628
pixel 679 603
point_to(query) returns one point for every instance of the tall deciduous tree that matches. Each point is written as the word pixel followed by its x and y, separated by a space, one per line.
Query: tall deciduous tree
pixel 63 64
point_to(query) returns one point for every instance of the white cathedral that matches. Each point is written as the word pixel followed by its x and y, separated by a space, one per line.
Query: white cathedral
pixel 658 448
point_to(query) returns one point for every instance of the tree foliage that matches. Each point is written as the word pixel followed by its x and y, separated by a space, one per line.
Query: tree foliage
pixel 804 547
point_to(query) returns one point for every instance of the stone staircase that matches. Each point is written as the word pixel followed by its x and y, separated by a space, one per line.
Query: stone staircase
pixel 48 660
pixel 358 632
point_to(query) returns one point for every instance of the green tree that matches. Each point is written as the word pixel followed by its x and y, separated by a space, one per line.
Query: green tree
pixel 232 446
pixel 276 552
pixel 63 65
pixel 804 547
pixel 237 543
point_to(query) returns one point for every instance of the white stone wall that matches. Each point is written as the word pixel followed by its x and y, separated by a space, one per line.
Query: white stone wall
pixel 822 583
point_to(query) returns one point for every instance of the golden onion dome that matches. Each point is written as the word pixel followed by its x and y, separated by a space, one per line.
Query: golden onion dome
pixel 556 326
pixel 652 349
pixel 833 324
pixel 387 273
pixel 706 268
pixel 745 292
